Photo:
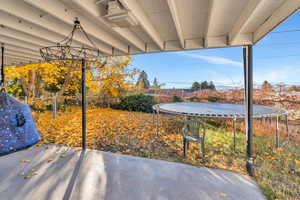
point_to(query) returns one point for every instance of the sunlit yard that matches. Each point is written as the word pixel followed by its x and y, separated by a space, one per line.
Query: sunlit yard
pixel 134 133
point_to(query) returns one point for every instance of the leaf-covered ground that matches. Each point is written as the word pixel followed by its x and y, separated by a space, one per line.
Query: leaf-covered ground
pixel 277 170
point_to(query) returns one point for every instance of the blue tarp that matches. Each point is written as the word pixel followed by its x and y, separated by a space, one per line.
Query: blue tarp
pixel 17 127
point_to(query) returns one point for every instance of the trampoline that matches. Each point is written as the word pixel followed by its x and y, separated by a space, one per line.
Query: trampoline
pixel 223 111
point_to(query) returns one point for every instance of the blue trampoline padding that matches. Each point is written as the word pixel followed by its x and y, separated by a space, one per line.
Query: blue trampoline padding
pixel 17 127
pixel 217 110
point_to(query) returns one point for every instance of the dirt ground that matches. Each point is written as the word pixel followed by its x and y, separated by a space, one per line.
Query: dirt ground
pixel 294 129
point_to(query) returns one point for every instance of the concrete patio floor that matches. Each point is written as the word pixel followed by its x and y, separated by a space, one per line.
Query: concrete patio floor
pixel 55 172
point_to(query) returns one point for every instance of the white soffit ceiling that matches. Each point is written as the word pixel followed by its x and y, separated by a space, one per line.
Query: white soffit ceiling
pixel 161 25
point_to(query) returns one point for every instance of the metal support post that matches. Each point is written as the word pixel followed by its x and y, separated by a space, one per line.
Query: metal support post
pixel 2 66
pixel 83 104
pixel 248 77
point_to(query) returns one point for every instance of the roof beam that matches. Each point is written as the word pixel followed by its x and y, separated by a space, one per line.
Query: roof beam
pixel 174 13
pixel 209 23
pixel 20 43
pixel 92 10
pixel 31 46
pixel 12 55
pixel 244 19
pixel 37 31
pixel 24 37
pixel 25 12
pixel 282 13
pixel 21 54
pixel 27 37
pixel 13 61
pixel 144 21
pixel 21 49
pixel 216 42
pixel 58 10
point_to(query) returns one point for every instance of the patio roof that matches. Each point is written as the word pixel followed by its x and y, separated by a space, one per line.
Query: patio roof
pixel 130 27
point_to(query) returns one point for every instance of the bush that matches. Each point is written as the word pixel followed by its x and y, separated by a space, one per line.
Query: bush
pixel 177 99
pixel 39 105
pixel 137 102
pixel 194 99
pixel 213 99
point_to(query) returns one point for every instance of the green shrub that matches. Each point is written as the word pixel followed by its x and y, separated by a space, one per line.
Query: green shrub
pixel 267 190
pixel 137 102
pixel 194 99
pixel 177 99
pixel 213 99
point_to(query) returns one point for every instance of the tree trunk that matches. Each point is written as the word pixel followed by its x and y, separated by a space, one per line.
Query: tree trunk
pixel 31 83
pixel 67 81
pixel 38 83
pixel 24 86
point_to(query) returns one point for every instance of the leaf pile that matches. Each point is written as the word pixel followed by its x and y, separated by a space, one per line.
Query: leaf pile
pixel 134 133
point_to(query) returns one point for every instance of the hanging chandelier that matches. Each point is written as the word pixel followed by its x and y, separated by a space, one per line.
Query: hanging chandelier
pixel 65 50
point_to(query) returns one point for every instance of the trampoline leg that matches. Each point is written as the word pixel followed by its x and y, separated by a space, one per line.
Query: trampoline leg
pixel 153 119
pixel 184 147
pixel 157 123
pixel 277 132
pixel 203 148
pixel 287 129
pixel 234 134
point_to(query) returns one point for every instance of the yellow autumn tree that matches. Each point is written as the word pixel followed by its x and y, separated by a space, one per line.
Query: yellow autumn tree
pixel 57 78
pixel 114 77
pixel 109 77
pixel 17 79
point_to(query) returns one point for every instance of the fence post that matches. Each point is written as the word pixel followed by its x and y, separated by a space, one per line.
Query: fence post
pixel 54 106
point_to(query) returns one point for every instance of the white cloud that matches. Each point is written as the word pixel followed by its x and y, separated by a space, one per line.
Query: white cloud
pixel 214 59
pixel 278 73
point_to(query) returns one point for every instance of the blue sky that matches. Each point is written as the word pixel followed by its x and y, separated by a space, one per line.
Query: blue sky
pixel 276 59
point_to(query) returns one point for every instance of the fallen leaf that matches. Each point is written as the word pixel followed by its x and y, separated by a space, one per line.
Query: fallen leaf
pixel 297 161
pixel 24 161
pixel 222 194
pixel 34 173
pixel 21 174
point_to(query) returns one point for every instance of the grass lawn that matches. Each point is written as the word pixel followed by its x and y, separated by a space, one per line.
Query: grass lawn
pixel 277 170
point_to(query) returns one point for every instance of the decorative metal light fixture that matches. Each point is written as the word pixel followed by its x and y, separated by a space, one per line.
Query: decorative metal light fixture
pixel 65 50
